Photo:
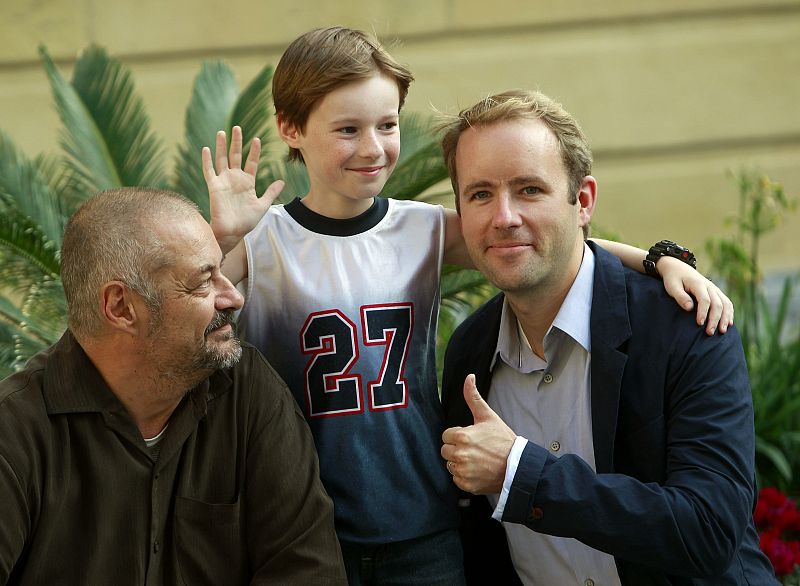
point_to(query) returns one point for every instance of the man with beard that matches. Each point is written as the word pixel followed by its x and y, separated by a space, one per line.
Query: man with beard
pixel 148 446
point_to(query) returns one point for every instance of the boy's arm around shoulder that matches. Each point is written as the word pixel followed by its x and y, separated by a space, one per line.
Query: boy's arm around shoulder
pixel 455 249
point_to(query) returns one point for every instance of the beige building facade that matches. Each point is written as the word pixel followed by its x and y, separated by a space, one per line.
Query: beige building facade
pixel 673 95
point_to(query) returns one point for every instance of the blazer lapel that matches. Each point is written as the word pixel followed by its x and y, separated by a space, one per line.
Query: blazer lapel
pixel 610 329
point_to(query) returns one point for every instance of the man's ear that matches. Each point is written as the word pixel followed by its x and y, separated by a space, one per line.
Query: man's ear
pixel 288 132
pixel 587 197
pixel 118 308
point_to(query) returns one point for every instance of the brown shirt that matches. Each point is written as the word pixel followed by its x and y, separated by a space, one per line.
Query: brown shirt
pixel 233 498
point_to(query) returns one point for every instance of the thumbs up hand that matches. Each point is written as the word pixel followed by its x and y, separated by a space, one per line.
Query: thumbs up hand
pixel 476 455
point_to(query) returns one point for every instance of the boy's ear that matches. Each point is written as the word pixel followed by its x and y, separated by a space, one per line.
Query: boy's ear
pixel 289 132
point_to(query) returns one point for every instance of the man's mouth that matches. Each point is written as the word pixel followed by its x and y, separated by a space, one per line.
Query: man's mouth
pixel 510 246
pixel 220 320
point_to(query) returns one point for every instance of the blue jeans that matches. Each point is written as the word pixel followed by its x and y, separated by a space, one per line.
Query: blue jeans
pixel 432 560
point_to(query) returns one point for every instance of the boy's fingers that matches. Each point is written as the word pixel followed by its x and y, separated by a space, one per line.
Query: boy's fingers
pixel 222 152
pixel 251 165
pixel 207 165
pixel 235 155
pixel 273 191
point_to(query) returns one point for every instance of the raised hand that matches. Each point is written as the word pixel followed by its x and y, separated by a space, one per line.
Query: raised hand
pixel 682 282
pixel 476 455
pixel 235 206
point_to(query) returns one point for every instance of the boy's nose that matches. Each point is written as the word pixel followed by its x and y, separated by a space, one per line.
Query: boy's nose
pixel 370 146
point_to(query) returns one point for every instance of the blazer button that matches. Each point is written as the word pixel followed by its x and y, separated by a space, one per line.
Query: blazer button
pixel 535 514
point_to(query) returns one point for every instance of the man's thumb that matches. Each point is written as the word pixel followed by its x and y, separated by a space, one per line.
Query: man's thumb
pixel 479 408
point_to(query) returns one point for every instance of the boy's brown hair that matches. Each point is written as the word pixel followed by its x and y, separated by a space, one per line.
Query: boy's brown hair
pixel 322 60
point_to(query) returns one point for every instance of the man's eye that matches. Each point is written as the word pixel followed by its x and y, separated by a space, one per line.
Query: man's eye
pixel 530 190
pixel 480 195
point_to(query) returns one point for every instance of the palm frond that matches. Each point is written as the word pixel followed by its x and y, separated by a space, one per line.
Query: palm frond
pixel 25 188
pixel 23 334
pixel 421 164
pixel 90 164
pixel 253 112
pixel 213 100
pixel 20 236
pixel 107 91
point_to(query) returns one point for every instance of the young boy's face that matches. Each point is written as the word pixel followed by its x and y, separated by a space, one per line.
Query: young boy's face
pixel 350 145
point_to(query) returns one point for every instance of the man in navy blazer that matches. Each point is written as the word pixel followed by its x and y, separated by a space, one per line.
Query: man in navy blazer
pixel 610 434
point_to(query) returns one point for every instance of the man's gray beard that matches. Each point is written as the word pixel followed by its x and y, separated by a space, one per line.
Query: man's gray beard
pixel 213 357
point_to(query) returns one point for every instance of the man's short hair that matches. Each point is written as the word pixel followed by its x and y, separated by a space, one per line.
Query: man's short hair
pixel 322 60
pixel 111 238
pixel 530 105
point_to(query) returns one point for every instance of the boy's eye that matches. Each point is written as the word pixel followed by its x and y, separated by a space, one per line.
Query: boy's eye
pixel 348 130
pixel 388 126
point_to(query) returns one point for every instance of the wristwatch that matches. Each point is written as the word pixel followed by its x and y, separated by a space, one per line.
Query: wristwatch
pixel 667 248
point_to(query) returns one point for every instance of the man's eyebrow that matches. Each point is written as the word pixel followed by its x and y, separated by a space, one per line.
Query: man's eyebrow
pixel 206 268
pixel 516 181
pixel 526 180
pixel 478 184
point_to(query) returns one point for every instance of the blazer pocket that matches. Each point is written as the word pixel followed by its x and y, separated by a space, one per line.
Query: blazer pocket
pixel 209 542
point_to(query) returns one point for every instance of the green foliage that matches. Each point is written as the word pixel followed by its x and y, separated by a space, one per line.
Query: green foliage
pixel 771 346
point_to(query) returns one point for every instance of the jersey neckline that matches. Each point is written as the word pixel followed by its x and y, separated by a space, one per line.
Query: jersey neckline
pixel 320 224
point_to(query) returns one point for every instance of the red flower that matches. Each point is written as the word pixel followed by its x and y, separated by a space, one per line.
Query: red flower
pixel 778 521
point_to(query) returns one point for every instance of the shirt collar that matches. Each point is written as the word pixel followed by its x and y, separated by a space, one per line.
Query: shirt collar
pixel 572 318
pixel 574 315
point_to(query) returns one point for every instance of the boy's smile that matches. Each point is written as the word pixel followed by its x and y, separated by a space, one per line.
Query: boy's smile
pixel 350 145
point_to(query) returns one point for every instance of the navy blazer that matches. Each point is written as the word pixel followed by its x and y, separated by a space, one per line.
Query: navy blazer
pixel 672 427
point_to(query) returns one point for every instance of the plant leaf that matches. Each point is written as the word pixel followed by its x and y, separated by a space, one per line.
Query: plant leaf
pixel 22 237
pixel 24 187
pixel 107 91
pixel 91 166
pixel 213 100
pixel 420 165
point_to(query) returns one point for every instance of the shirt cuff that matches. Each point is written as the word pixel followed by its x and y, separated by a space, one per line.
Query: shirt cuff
pixel 511 469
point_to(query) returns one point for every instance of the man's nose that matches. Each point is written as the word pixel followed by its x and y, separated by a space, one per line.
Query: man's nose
pixel 506 214
pixel 228 296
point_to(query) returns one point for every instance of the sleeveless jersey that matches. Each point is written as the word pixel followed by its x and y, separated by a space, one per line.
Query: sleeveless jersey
pixel 346 312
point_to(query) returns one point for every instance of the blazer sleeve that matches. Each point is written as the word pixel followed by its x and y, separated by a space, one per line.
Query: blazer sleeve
pixel 690 521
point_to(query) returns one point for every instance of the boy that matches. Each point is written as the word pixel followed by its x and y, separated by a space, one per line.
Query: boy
pixel 343 297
